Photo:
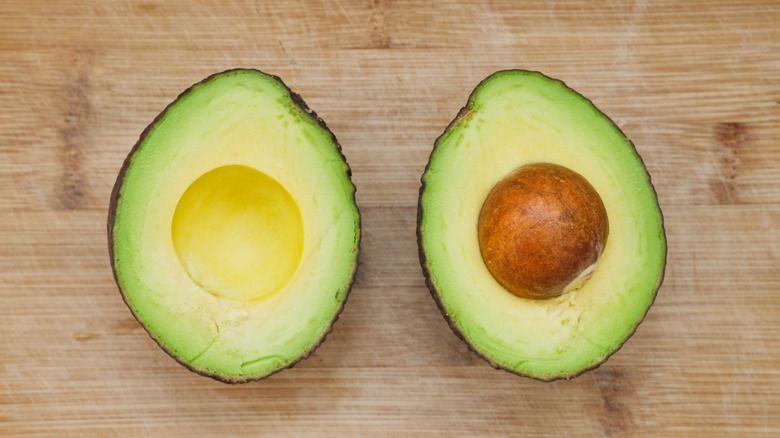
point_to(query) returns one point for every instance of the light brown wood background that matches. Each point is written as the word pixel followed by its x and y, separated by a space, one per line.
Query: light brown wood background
pixel 695 84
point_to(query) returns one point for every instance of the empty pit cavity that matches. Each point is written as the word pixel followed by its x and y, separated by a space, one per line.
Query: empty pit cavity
pixel 238 233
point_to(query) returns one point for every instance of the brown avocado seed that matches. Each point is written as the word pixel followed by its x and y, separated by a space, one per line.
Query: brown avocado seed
pixel 541 231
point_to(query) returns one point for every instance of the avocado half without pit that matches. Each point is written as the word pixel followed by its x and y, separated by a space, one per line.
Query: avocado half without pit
pixel 233 229
pixel 540 234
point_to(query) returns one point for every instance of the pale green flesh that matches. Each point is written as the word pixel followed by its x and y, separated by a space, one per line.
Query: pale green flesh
pixel 247 118
pixel 515 118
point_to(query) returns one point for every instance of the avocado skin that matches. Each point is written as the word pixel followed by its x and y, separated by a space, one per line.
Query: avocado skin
pixel 424 262
pixel 116 193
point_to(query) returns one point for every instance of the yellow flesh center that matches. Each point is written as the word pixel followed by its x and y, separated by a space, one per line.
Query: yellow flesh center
pixel 238 233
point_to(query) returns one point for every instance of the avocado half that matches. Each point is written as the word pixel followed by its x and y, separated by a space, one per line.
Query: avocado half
pixel 233 230
pixel 513 119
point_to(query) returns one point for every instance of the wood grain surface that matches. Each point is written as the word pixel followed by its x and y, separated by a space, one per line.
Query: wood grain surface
pixel 695 85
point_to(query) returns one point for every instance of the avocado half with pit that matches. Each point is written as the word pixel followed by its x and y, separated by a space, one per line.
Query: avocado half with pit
pixel 233 230
pixel 540 234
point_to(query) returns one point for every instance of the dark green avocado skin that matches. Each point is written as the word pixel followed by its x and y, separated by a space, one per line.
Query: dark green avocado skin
pixel 116 193
pixel 427 274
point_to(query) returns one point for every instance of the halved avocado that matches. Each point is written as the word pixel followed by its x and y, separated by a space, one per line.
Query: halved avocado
pixel 540 234
pixel 233 229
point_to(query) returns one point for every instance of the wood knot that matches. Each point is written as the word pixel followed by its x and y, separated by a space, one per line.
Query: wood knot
pixel 614 388
pixel 77 112
pixel 730 137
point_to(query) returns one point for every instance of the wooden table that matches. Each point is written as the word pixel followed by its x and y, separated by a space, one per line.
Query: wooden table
pixel 695 85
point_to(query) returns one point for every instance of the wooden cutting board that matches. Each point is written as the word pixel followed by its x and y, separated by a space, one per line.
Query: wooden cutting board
pixel 695 85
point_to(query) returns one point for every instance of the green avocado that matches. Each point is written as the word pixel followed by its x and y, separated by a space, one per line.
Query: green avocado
pixel 233 229
pixel 518 122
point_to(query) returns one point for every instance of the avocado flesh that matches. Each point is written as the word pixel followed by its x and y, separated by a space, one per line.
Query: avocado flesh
pixel 515 118
pixel 237 161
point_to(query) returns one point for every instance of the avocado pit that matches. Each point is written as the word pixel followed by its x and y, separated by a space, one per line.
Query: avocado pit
pixel 542 230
